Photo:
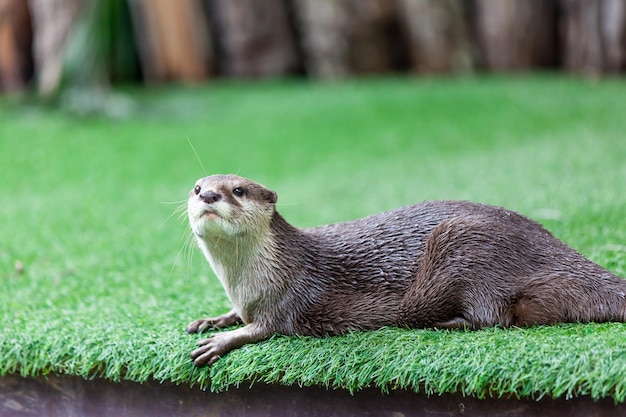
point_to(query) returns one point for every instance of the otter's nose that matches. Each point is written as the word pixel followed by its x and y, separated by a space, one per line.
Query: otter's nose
pixel 210 197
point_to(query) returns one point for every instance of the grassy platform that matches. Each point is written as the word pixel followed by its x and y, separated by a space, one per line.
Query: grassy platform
pixel 97 277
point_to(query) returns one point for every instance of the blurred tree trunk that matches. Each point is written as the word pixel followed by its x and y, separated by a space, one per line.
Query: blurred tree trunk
pixel 375 37
pixel 437 35
pixel 324 41
pixel 52 21
pixel 15 45
pixel 594 36
pixel 173 39
pixel 340 37
pixel 254 38
pixel 614 34
pixel 516 35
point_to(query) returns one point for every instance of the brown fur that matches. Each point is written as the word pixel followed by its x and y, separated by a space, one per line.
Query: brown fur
pixel 445 264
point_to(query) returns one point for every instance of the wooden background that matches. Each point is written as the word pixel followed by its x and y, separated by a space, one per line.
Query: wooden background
pixel 152 41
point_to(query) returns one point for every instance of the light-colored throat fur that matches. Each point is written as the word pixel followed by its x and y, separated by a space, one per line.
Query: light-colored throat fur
pixel 243 263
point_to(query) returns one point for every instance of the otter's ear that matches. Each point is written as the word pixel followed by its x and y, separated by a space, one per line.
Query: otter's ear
pixel 271 196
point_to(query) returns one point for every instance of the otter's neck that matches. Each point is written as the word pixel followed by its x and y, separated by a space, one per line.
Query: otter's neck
pixel 255 269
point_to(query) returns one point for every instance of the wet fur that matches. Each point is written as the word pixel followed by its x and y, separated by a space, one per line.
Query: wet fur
pixel 445 264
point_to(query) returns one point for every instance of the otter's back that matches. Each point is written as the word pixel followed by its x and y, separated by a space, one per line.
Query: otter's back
pixel 386 248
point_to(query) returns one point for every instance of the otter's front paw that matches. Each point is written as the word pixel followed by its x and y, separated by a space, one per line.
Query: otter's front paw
pixel 210 350
pixel 201 326
pixel 219 344
pixel 225 320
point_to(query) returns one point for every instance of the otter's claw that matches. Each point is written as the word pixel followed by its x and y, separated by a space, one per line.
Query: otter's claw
pixel 200 326
pixel 207 354
pixel 225 320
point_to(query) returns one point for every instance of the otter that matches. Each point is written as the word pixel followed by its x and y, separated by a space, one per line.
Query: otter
pixel 436 264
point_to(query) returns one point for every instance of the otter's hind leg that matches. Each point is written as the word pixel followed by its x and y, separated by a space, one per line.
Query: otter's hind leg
pixel 585 294
pixel 451 287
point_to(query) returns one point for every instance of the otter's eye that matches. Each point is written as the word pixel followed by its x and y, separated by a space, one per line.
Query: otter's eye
pixel 197 189
pixel 238 191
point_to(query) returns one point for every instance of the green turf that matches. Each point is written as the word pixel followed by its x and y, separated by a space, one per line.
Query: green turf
pixel 108 283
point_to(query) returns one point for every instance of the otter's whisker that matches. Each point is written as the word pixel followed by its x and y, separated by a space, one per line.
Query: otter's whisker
pixel 190 251
pixel 179 211
pixel 184 202
pixel 185 251
pixel 204 171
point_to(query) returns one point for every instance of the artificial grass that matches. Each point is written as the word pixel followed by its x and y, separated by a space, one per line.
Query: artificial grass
pixel 96 278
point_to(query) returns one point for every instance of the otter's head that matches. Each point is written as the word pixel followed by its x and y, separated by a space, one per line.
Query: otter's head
pixel 229 205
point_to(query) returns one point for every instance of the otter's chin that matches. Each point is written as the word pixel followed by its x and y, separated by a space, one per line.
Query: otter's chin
pixel 210 215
